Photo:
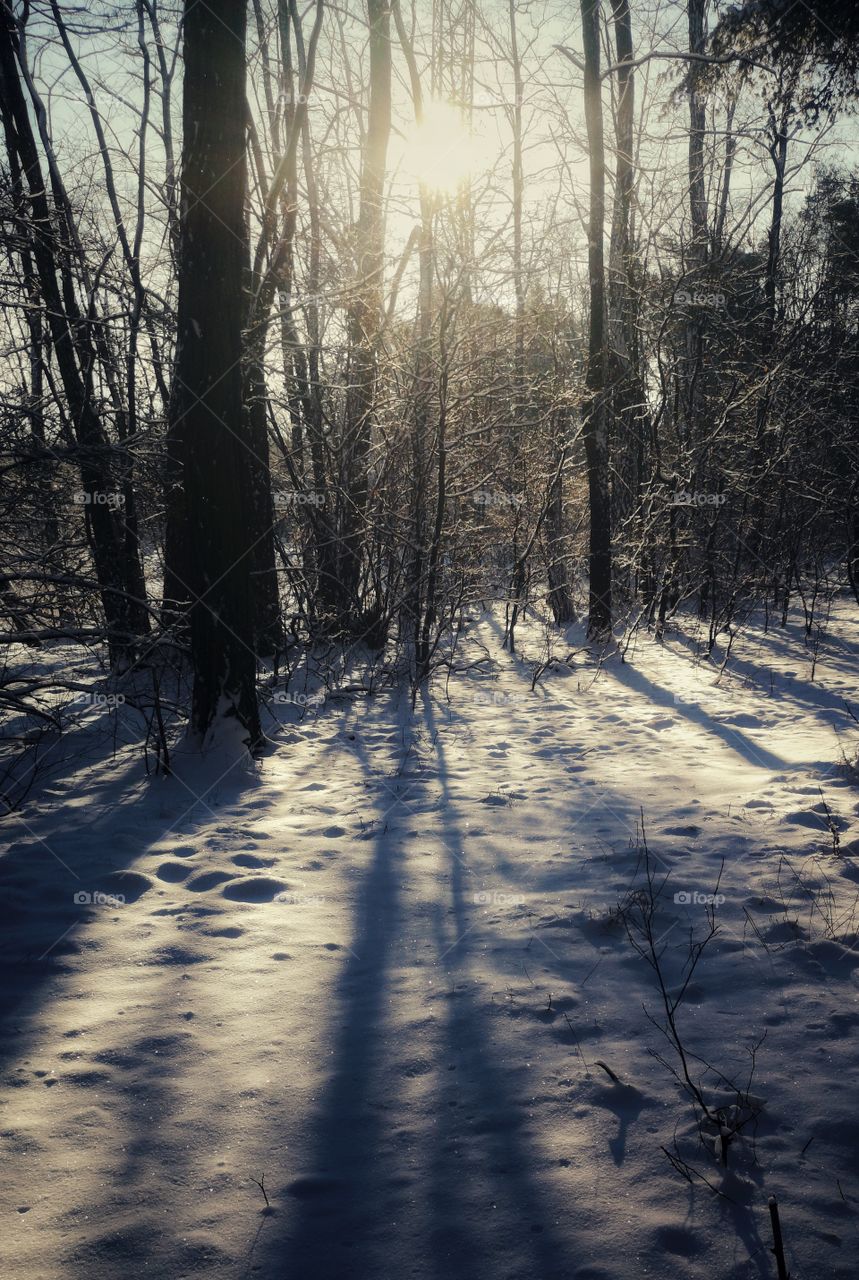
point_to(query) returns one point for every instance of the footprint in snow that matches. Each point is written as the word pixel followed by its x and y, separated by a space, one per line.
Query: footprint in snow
pixel 741 720
pixel 257 889
pixel 334 833
pixel 130 885
pixel 209 880
pixel 816 819
pixel 418 1067
pixel 680 1241
pixel 174 955
pixel 173 872
pixel 251 860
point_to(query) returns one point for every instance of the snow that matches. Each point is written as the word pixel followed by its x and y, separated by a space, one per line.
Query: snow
pixel 378 970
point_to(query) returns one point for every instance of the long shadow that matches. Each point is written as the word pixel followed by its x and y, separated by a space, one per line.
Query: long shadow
pixel 626 1103
pixel 466 1176
pixel 803 691
pixel 806 694
pixel 376 1201
pixel 63 851
pixel 59 855
pixel 482 1156
pixel 638 682
pixel 343 1199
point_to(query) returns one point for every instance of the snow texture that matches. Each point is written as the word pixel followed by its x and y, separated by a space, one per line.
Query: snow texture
pixel 377 971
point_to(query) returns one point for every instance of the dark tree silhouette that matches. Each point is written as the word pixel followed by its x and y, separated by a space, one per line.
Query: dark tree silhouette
pixel 208 374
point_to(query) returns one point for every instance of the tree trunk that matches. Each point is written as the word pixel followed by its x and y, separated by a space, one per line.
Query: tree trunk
pixel 696 257
pixel 216 465
pixel 628 399
pixel 595 425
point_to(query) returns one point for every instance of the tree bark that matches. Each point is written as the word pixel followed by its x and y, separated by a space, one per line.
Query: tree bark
pixel 595 425
pixel 216 464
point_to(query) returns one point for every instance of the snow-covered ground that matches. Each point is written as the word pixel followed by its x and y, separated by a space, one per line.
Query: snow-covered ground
pixel 377 974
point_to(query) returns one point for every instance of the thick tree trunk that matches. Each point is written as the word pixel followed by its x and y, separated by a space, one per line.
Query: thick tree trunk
pixel 216 464
pixel 595 426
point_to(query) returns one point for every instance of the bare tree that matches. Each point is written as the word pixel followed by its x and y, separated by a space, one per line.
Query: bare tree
pixel 208 373
pixel 596 427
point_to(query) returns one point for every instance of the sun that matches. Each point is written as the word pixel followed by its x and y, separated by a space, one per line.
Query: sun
pixel 441 152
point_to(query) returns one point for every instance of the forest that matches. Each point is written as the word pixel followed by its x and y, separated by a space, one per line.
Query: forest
pixel 429 610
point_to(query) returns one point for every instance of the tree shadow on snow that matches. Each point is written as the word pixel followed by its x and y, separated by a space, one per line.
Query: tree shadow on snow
pixel 455 1193
pixel 62 856
pixel 637 682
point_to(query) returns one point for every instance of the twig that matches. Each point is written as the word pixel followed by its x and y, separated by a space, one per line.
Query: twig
pixel 778 1246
